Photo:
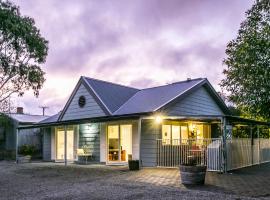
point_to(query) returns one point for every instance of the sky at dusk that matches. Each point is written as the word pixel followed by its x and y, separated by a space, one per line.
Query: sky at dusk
pixel 140 43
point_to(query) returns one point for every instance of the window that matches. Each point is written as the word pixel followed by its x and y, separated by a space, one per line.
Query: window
pixel 174 134
pixel 184 134
pixel 81 101
pixel 166 134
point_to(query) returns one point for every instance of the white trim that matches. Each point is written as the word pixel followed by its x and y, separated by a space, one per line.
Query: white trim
pixel 96 95
pixel 139 135
pixel 179 95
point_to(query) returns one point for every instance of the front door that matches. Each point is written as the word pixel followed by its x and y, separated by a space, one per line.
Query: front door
pixel 119 143
pixel 60 144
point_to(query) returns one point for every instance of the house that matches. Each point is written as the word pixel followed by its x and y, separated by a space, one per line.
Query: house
pixel 114 123
pixel 8 132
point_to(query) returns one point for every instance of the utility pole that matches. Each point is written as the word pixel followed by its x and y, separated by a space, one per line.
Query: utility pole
pixel 43 109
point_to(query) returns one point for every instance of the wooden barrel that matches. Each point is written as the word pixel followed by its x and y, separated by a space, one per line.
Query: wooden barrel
pixel 192 175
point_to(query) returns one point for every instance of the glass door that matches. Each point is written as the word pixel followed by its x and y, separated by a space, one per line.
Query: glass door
pixel 60 144
pixel 119 143
pixel 113 143
pixel 125 142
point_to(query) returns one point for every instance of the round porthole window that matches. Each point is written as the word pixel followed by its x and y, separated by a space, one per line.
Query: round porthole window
pixel 82 101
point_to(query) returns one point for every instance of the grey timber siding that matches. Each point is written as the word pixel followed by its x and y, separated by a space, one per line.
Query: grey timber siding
pixel 149 133
pixel 47 144
pixel 198 102
pixel 30 137
pixel 10 134
pixel 91 108
pixel 89 135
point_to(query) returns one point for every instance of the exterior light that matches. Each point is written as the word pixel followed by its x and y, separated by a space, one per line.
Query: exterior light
pixel 158 119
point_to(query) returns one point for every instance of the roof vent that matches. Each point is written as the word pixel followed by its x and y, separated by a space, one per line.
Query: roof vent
pixel 188 79
pixel 19 110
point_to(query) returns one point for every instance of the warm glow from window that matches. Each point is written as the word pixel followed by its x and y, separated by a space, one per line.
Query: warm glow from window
pixel 166 134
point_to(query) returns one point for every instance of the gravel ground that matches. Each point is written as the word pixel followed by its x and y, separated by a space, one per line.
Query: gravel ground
pixel 52 181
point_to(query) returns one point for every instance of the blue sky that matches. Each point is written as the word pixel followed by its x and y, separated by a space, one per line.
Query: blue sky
pixel 139 43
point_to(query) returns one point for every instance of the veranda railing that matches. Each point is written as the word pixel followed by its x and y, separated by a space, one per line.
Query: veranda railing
pixel 207 151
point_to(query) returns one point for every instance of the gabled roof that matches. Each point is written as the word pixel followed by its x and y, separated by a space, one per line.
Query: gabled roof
pixel 117 100
pixel 111 94
pixel 51 119
pixel 27 118
pixel 151 99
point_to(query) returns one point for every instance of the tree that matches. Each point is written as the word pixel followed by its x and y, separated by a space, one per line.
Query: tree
pixel 22 50
pixel 247 76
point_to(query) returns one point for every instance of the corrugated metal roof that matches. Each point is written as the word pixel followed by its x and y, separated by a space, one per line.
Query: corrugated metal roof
pixel 27 118
pixel 149 100
pixel 123 100
pixel 51 119
pixel 111 94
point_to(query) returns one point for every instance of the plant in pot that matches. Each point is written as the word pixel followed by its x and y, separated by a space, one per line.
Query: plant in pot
pixel 133 164
pixel 192 172
pixel 26 152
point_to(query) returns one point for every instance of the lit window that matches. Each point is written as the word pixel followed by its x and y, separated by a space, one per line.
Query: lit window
pixel 175 135
pixel 166 134
pixel 184 134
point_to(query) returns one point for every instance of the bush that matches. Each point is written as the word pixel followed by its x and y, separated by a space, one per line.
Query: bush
pixel 28 150
pixel 7 155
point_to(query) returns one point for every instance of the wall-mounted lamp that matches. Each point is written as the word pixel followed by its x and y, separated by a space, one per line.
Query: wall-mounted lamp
pixel 158 119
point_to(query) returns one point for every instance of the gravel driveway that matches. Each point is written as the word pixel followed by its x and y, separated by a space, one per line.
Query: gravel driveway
pixel 55 181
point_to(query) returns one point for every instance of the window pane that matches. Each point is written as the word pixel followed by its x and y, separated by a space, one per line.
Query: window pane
pixel 113 143
pixel 199 131
pixel 125 141
pixel 184 134
pixel 166 134
pixel 206 131
pixel 175 135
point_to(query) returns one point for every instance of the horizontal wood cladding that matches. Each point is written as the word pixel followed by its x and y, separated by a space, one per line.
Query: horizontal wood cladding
pixel 90 109
pixel 149 133
pixel 199 102
pixel 89 136
pixel 46 144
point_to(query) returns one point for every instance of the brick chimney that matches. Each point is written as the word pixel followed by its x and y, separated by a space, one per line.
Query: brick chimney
pixel 19 110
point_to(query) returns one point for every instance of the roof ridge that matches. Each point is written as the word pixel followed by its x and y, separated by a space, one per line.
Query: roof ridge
pixel 201 80
pixel 126 101
pixel 28 114
pixel 96 94
pixel 109 82
pixel 196 79
pixel 183 92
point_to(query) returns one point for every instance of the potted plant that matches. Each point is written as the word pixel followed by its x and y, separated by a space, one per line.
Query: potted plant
pixel 134 165
pixel 26 152
pixel 192 172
